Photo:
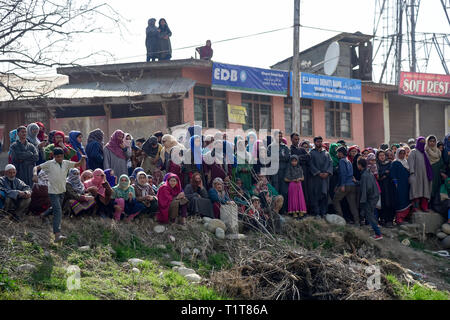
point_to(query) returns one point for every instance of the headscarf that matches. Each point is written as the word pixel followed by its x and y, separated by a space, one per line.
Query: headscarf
pixel 177 189
pixel 144 189
pixel 242 155
pixel 61 134
pixel 163 28
pixel 32 137
pixel 293 173
pixel 222 193
pixel 74 180
pixel 51 137
pixel 110 178
pixel 284 141
pixel 73 135
pixel 41 134
pixel 13 137
pixel 333 154
pixel 96 135
pixel 250 144
pixel 97 181
pixel 421 147
pixel 86 173
pixel 114 144
pixel 148 147
pixel 127 143
pixel 354 147
pixel 192 131
pixel 228 153
pixel 171 142
pixel 122 189
pixel 404 162
pixel 386 160
pixel 196 152
pixel 136 171
pixel 255 149
pixel 43 178
pixel 434 154
pixel 372 167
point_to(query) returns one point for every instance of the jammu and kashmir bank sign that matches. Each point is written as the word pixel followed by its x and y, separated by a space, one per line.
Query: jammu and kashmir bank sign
pixel 249 80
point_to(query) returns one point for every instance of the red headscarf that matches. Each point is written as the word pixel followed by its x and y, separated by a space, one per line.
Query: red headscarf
pixel 165 196
pixel 41 134
pixel 114 144
pixel 349 157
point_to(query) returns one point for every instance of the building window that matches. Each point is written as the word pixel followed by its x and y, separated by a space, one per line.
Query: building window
pixel 259 112
pixel 210 107
pixel 306 128
pixel 338 119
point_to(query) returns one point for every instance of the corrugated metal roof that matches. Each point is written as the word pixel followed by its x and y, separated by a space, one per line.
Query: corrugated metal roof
pixel 146 86
pixel 29 87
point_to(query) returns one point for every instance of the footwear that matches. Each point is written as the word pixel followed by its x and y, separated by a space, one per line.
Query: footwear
pixel 60 238
pixel 377 237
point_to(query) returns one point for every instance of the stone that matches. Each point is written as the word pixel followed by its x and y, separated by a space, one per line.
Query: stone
pixel 161 246
pixel 431 220
pixel 186 251
pixel 335 219
pixel 84 248
pixel 220 233
pixel 134 261
pixel 196 251
pixel 136 270
pixel 177 263
pixel 214 224
pixel 236 236
pixel 441 235
pixel 159 229
pixel 446 228
pixel 206 219
pixel 172 238
pixel 193 277
pixel 166 255
pixel 28 267
pixel 185 271
pixel 446 243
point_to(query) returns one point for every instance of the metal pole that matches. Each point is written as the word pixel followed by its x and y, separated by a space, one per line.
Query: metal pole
pixel 399 40
pixel 413 37
pixel 296 70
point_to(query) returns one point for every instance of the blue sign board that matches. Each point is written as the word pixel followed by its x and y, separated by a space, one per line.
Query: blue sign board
pixel 250 80
pixel 315 86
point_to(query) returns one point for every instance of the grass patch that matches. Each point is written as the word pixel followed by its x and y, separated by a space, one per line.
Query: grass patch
pixel 416 292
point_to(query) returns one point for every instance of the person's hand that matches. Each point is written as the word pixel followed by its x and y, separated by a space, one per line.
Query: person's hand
pixel 21 194
pixel 444 176
pixel 353 179
pixel 130 196
pixel 122 146
pixel 42 144
pixel 342 189
pixel 181 195
pixel 227 179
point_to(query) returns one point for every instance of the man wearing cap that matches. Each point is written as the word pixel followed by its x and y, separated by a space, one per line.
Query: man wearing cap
pixel 24 156
pixel 412 143
pixel 14 193
pixel 57 170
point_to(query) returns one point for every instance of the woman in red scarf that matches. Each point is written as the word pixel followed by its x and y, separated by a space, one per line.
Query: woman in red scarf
pixel 171 201
pixel 101 190
pixel 59 143
pixel 41 134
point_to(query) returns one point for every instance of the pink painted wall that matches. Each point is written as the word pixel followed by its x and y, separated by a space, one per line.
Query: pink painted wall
pixel 357 124
pixel 278 113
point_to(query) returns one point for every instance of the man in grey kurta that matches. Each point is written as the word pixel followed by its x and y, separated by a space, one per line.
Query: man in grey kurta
pixel 24 156
pixel 15 194
pixel 321 168
pixel 420 185
pixel 284 155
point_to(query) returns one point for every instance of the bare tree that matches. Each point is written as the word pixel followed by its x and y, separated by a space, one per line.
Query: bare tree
pixel 39 35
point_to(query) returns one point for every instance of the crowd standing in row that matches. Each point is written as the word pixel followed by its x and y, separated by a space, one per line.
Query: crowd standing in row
pixel 208 175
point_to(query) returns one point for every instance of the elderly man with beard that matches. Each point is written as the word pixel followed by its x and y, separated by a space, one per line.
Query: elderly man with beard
pixel 14 193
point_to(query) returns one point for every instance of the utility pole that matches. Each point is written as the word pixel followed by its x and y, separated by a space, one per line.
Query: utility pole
pixel 413 37
pixel 399 40
pixel 296 70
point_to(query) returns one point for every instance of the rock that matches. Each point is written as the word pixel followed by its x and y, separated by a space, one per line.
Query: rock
pixel 236 236
pixel 28 267
pixel 167 256
pixel 431 220
pixel 214 224
pixel 134 262
pixel 136 270
pixel 220 233
pixel 193 277
pixel 175 268
pixel 206 219
pixel 47 254
pixel 196 251
pixel 159 229
pixel 161 246
pixel 172 238
pixel 441 235
pixel 406 242
pixel 446 228
pixel 446 243
pixel 84 248
pixel 186 251
pixel 177 263
pixel 335 219
pixel 403 233
pixel 185 271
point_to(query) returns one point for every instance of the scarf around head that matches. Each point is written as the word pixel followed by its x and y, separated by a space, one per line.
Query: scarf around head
pixel 127 143
pixel 372 167
pixel 143 188
pixel 97 181
pixel 149 149
pixel 74 180
pixel 421 147
pixel 434 154
pixel 122 189
pixel 41 134
pixel 33 137
pixel 173 191
pixel 86 175
pixel 96 135
pixel 349 157
pixel 293 173
pixel 51 137
pixel 114 144
pixel 13 136
pixel 73 135
pixel 404 162
pixel 333 154
pixel 136 171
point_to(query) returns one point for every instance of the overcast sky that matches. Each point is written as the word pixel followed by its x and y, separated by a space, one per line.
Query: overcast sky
pixel 192 22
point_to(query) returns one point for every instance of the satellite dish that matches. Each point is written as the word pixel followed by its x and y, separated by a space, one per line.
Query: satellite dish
pixel 331 58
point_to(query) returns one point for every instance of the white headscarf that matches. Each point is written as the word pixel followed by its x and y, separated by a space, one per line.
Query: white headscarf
pixel 404 162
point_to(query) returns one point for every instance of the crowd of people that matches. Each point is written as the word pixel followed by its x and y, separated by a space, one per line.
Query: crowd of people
pixel 169 178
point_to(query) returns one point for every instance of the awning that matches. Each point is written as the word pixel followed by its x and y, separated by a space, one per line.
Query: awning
pixel 141 87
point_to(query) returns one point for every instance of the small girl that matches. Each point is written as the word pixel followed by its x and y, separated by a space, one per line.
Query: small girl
pixel 296 200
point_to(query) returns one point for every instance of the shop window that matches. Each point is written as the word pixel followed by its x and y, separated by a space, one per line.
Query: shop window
pixel 259 111
pixel 210 107
pixel 338 119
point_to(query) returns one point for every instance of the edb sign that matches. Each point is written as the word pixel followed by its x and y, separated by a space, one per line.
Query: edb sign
pixel 315 86
pixel 249 80
pixel 424 84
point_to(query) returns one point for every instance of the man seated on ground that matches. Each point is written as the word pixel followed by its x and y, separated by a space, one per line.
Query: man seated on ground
pixel 14 193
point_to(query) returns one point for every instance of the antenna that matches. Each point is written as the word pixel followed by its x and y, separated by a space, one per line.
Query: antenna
pixel 331 59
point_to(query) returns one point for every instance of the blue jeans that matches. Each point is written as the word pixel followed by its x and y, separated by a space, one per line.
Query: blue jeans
pixel 56 202
pixel 368 210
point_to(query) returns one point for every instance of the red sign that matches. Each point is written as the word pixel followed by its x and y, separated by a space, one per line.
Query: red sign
pixel 424 84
